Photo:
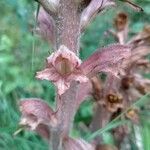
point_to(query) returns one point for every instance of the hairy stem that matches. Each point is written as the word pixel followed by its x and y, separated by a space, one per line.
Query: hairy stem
pixel 100 119
pixel 68 25
pixel 67 33
pixel 67 107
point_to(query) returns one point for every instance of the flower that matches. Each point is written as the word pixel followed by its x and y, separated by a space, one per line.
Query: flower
pixel 62 68
pixel 36 114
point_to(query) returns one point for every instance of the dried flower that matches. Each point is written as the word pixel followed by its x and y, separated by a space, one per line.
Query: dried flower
pixel 133 115
pixel 114 101
pixel 121 21
pixel 121 25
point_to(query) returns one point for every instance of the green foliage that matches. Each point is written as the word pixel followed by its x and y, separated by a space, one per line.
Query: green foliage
pixel 22 54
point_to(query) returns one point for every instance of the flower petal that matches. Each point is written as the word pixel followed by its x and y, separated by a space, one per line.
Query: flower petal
pixel 62 86
pixel 35 111
pixel 64 52
pixel 78 76
pixel 106 60
pixel 48 74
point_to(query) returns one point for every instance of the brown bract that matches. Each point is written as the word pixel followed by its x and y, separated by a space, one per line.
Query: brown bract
pixel 114 101
pixel 121 21
pixel 133 115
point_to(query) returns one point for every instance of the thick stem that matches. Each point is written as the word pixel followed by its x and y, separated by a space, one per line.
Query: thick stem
pixel 100 119
pixel 68 25
pixel 67 107
pixel 67 33
pixel 55 141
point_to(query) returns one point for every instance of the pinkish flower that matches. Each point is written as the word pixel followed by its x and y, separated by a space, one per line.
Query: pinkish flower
pixel 62 68
pixel 36 114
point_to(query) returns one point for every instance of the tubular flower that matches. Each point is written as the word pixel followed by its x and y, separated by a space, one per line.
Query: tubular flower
pixel 36 114
pixel 62 68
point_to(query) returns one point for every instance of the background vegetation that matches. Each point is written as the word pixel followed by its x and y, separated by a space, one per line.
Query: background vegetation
pixel 22 53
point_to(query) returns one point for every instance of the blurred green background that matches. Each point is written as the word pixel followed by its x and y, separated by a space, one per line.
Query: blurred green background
pixel 22 53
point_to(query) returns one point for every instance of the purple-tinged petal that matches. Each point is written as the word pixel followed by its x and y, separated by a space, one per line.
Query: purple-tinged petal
pixel 106 60
pixel 65 53
pixel 62 86
pixel 136 54
pixel 34 112
pixel 48 74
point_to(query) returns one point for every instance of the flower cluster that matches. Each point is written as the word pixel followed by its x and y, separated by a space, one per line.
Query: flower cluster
pixel 60 23
pixel 116 95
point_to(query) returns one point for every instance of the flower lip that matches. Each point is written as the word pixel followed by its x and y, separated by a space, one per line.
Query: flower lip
pixel 63 66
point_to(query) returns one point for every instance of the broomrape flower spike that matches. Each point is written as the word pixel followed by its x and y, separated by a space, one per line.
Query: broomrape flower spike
pixel 62 68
